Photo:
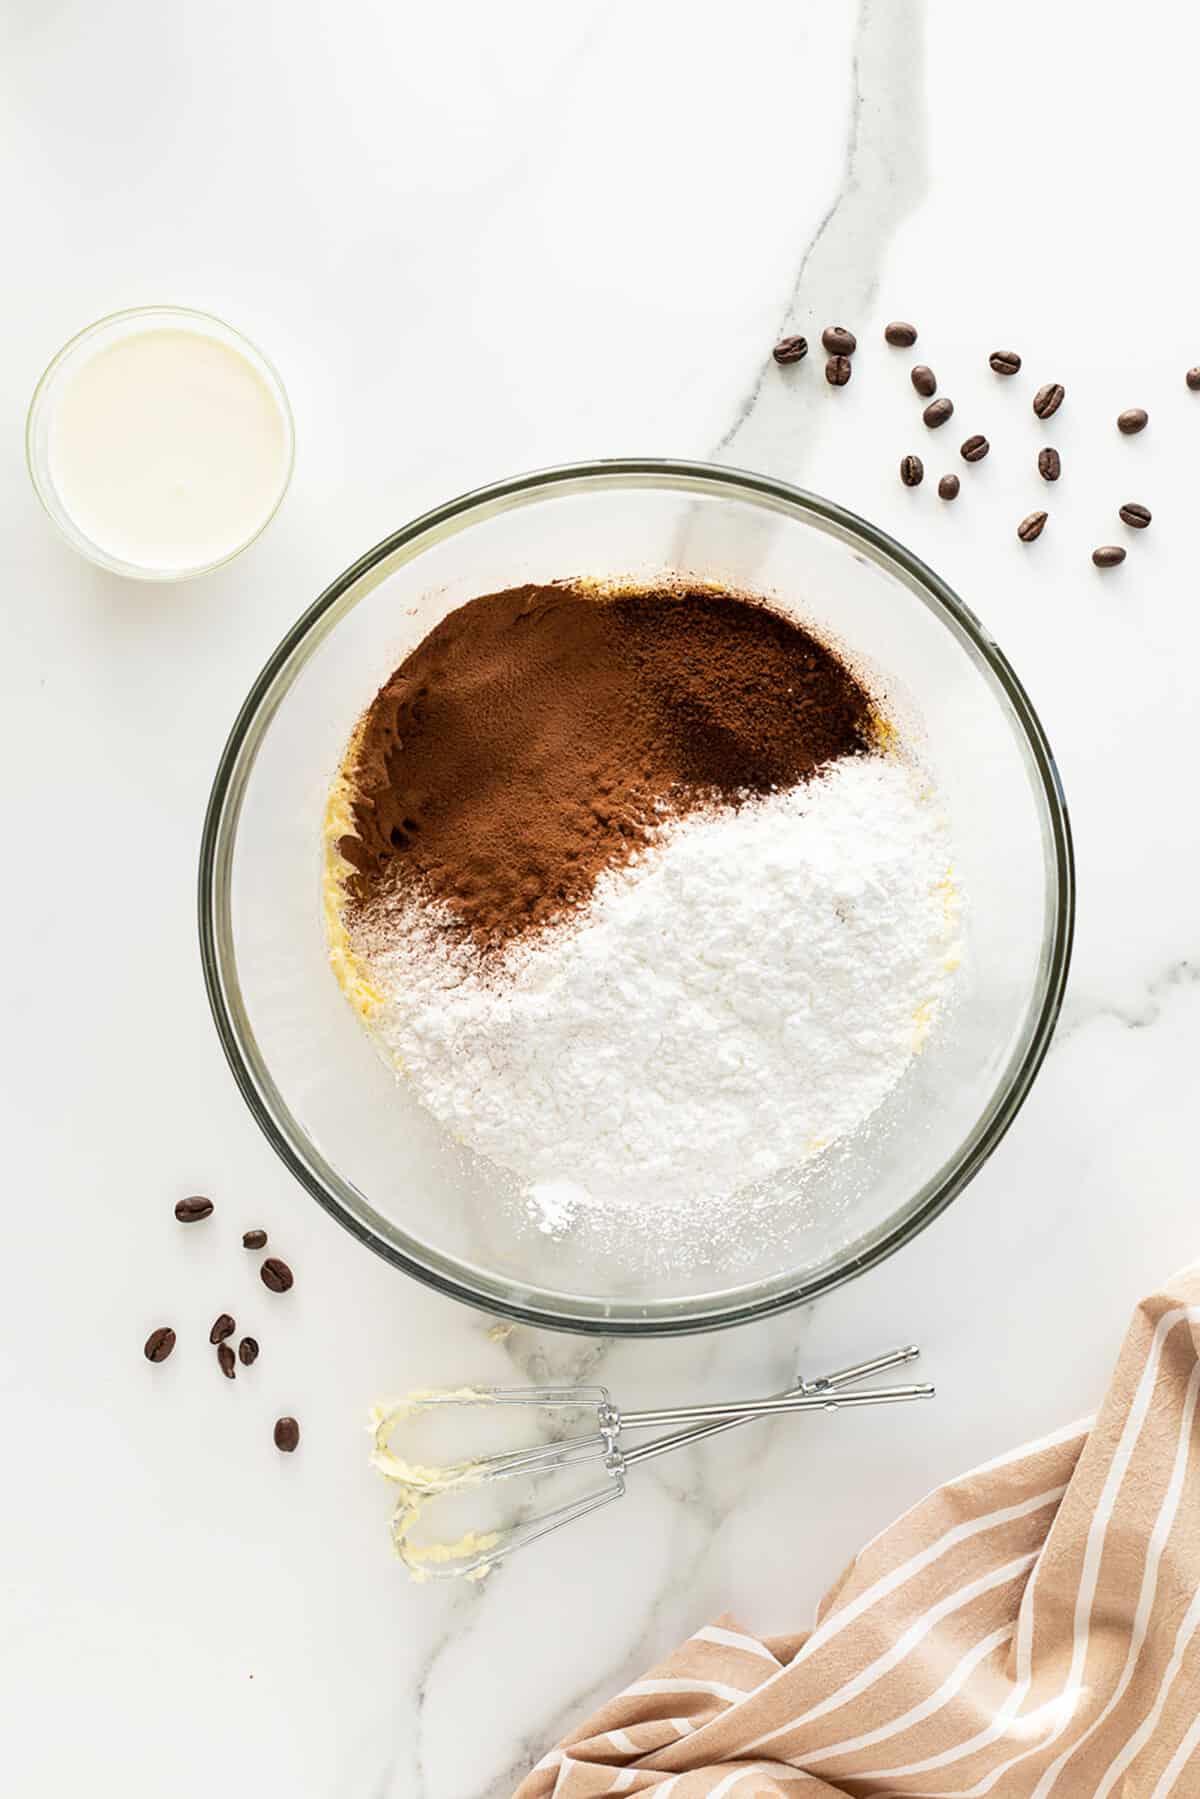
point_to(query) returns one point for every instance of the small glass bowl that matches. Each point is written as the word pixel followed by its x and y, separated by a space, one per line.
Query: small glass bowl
pixel 86 344
pixel 356 1136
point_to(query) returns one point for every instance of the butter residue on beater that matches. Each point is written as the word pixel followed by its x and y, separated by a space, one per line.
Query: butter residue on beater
pixel 383 1419
pixel 421 1559
pixel 419 1484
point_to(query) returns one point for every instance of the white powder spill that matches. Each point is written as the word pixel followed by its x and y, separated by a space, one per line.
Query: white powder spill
pixel 744 995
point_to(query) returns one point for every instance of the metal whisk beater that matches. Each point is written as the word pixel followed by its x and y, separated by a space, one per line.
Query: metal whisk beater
pixel 475 1554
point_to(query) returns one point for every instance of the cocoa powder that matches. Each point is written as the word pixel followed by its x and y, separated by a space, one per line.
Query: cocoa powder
pixel 537 736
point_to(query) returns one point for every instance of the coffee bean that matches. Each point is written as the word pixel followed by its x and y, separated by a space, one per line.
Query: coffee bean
pixel 247 1351
pixel 948 487
pixel 287 1434
pixel 1049 398
pixel 1108 555
pixel 937 412
pixel 1005 362
pixel 228 1361
pixel 276 1275
pixel 191 1211
pixel 975 448
pixel 912 471
pixel 1135 515
pixel 838 341
pixel 1032 527
pixel 837 371
pixel 790 349
pixel 159 1344
pixel 224 1327
pixel 254 1240
pixel 900 335
pixel 1132 420
pixel 1049 464
pixel 924 380
pixel 1193 379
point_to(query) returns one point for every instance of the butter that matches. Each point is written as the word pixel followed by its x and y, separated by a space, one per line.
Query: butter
pixel 349 969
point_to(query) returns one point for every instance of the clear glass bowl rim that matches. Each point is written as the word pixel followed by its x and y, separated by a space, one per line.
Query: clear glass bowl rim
pixel 497 1295
pixel 65 525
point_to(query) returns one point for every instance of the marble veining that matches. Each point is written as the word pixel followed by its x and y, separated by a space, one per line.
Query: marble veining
pixel 883 178
pixel 1145 1008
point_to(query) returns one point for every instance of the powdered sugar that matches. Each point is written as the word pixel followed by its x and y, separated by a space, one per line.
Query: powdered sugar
pixel 745 994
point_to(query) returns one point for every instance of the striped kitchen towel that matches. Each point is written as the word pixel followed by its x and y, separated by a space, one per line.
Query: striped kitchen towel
pixel 1031 1629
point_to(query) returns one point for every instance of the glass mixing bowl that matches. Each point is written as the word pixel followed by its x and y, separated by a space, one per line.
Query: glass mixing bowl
pixel 354 1135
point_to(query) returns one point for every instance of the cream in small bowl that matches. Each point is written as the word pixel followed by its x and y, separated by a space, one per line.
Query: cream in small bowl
pixel 160 442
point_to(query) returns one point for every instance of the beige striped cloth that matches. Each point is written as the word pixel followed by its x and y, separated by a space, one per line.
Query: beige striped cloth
pixel 1032 1629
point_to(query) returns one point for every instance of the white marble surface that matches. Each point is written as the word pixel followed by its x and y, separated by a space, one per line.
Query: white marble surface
pixel 476 240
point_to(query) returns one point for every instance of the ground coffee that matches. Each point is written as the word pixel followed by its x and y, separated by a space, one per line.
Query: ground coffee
pixel 537 736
